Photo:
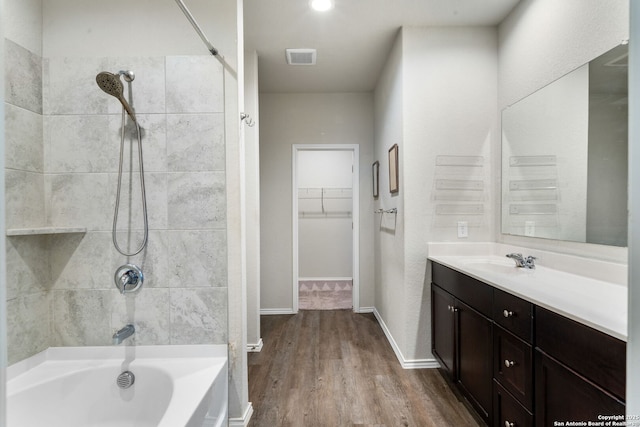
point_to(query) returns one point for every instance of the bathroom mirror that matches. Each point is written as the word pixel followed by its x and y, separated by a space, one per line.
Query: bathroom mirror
pixel 564 156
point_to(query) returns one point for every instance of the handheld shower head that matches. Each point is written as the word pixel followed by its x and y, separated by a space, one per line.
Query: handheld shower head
pixel 111 84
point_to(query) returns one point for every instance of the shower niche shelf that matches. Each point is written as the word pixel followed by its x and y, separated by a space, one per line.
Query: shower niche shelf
pixel 44 230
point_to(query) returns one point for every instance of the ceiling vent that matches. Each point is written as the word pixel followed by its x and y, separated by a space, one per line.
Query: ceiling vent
pixel 301 56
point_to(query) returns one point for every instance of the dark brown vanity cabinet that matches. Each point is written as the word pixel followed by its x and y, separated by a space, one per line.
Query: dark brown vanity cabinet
pixel 518 364
pixel 461 335
pixel 580 372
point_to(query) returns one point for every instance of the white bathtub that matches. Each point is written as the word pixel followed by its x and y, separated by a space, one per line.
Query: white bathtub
pixel 174 386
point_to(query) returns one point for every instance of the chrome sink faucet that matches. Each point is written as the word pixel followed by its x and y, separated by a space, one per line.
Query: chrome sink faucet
pixel 522 262
pixel 123 334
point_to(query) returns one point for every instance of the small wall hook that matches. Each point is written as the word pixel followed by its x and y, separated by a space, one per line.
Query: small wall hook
pixel 247 119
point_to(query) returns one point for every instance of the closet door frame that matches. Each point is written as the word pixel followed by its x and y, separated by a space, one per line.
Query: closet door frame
pixel 355 215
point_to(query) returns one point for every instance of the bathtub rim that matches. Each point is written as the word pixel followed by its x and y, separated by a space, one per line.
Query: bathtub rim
pixel 117 352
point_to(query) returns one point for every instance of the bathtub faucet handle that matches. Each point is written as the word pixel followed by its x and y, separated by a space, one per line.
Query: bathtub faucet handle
pixel 128 278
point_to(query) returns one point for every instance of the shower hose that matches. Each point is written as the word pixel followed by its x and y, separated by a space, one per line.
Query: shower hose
pixel 142 190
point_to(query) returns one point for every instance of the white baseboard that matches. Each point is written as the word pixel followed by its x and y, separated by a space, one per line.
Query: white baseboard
pixel 272 311
pixel 405 363
pixel 244 421
pixel 255 348
pixel 366 310
pixel 323 279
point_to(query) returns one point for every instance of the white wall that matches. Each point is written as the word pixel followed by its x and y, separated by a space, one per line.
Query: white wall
pixel 252 170
pixel 230 20
pixel 287 119
pixel 389 228
pixel 540 41
pixel 431 103
pixel 88 28
pixel 452 113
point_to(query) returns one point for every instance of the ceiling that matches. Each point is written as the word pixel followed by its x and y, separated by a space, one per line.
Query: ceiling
pixel 352 40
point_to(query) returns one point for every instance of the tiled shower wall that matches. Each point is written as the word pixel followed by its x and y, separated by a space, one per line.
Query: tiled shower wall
pixel 63 137
pixel 28 278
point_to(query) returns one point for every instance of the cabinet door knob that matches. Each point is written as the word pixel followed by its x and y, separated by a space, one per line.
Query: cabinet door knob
pixel 507 313
pixel 508 424
pixel 450 307
pixel 509 363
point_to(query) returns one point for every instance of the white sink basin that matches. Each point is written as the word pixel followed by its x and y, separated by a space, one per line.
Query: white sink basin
pixel 494 265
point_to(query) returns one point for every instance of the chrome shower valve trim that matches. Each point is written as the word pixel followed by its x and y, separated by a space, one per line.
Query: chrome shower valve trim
pixel 128 278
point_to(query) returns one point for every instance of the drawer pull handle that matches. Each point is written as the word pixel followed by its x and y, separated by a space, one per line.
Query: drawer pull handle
pixel 452 308
pixel 508 424
pixel 507 313
pixel 509 363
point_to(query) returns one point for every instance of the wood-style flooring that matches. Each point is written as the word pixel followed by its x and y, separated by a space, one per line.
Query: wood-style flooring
pixel 336 368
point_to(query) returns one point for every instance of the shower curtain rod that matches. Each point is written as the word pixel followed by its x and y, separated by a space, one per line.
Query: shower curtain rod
pixel 196 27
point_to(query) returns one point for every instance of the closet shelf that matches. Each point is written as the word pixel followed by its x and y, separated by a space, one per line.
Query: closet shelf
pixel 324 193
pixel 315 214
pixel 44 231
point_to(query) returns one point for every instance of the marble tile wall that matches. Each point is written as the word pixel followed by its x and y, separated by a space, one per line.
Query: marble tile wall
pixel 28 270
pixel 179 104
pixel 24 156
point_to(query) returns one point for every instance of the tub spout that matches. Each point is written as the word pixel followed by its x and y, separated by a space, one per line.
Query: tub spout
pixel 123 334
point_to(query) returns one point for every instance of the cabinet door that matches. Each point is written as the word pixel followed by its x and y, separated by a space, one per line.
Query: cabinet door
pixel 443 329
pixel 563 395
pixel 475 359
pixel 593 354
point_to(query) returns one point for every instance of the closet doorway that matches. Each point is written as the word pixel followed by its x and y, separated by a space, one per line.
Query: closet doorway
pixel 325 227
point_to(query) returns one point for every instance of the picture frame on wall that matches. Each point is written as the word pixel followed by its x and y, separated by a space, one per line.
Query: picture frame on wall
pixel 375 171
pixel 394 185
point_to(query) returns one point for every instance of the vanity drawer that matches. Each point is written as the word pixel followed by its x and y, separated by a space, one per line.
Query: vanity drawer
pixel 597 356
pixel 474 293
pixel 512 365
pixel 514 314
pixel 507 411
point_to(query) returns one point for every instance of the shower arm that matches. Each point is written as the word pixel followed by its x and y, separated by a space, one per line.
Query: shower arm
pixel 196 27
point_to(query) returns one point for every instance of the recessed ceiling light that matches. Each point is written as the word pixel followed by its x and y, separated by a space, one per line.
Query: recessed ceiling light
pixel 321 5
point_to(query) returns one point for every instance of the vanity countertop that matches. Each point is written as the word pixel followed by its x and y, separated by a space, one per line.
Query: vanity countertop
pixel 599 304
